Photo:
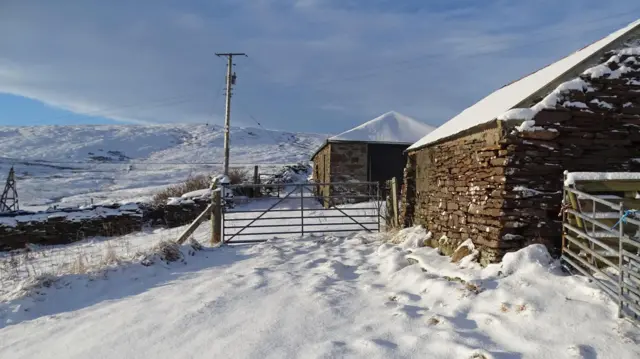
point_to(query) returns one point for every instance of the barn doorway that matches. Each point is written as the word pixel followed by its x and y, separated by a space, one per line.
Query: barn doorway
pixel 385 161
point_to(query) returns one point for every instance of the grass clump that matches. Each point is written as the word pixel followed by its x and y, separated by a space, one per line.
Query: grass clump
pixel 193 183
pixel 238 175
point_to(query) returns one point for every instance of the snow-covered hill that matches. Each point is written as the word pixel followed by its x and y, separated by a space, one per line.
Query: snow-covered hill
pixel 182 143
pixel 72 165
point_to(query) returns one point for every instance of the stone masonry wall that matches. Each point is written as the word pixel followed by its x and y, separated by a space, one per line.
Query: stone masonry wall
pixel 348 162
pixel 503 187
pixel 322 169
pixel 597 139
pixel 457 187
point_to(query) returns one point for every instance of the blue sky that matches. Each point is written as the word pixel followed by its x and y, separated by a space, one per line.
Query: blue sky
pixel 314 65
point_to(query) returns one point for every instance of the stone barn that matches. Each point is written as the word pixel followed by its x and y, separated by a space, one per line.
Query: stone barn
pixel 373 151
pixel 494 172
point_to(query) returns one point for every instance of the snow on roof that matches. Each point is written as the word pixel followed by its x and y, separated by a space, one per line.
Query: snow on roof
pixel 507 97
pixel 572 177
pixel 390 127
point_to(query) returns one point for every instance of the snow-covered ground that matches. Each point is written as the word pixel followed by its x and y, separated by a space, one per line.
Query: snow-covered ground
pixel 359 296
pixel 283 220
pixel 71 165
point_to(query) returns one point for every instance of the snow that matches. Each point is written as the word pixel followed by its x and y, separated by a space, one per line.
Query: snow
pixel 73 165
pixel 575 104
pixel 602 104
pixel 509 96
pixel 525 192
pixel 359 296
pixel 572 177
pixel 201 193
pixel 548 102
pixel 391 127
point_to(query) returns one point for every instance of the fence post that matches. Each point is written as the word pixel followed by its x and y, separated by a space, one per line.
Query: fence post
pixel 379 203
pixel 620 266
pixel 394 199
pixel 302 209
pixel 256 180
pixel 216 216
pixel 563 212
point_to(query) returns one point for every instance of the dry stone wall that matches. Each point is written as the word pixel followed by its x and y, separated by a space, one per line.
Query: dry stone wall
pixel 502 187
pixel 597 139
pixel 62 227
pixel 457 191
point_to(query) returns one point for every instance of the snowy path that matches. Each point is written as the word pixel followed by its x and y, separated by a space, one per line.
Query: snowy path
pixel 322 298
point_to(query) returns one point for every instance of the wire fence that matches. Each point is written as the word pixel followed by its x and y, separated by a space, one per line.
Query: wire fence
pixel 88 256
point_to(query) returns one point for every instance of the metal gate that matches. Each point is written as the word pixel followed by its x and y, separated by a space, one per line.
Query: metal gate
pixel 259 212
pixel 601 240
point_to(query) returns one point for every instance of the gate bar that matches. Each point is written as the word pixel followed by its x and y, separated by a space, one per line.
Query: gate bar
pixel 306 217
pixel 263 213
pixel 297 209
pixel 274 233
pixel 347 184
pixel 245 241
pixel 589 250
pixel 586 273
pixel 297 225
pixel 594 198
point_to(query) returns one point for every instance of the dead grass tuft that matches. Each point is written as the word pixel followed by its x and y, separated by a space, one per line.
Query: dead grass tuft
pixel 110 257
pixel 473 288
pixel 193 183
pixel 168 251
pixel 504 307
pixel 238 175
pixel 79 265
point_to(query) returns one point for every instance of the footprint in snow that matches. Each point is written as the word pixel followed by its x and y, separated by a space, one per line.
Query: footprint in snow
pixel 404 297
pixel 582 352
pixel 411 311
pixel 315 263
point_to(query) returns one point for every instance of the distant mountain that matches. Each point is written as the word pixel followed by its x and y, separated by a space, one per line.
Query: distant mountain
pixel 71 165
pixel 181 143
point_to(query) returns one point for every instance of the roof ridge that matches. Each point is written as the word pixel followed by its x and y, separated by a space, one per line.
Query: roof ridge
pixel 524 90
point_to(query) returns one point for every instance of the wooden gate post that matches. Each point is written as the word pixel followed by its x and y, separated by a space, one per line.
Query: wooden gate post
pixel 216 217
pixel 256 180
pixel 216 211
pixel 394 199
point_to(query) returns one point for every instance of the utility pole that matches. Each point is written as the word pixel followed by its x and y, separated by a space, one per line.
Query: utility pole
pixel 9 197
pixel 231 80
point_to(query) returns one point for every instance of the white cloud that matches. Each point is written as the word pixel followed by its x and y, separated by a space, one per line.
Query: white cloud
pixel 154 61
